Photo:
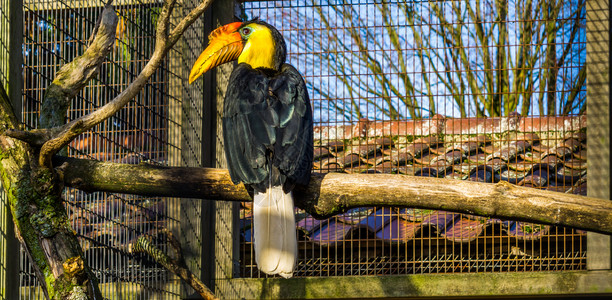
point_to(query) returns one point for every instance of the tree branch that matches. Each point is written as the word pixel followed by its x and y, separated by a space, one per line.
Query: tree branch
pixel 144 244
pixel 164 43
pixel 73 76
pixel 34 138
pixel 334 193
pixel 68 82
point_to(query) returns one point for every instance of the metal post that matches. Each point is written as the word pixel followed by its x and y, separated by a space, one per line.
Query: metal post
pixel 11 28
pixel 598 122
pixel 219 232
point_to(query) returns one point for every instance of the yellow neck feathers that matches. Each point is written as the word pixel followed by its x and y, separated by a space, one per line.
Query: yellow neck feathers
pixel 259 49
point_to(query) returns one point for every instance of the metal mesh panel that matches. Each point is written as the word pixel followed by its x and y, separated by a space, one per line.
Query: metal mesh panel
pixel 4 206
pixel 191 130
pixel 4 46
pixel 4 223
pixel 148 130
pixel 7 66
pixel 485 91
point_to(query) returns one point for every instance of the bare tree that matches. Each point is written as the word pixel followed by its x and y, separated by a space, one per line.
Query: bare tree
pixel 408 59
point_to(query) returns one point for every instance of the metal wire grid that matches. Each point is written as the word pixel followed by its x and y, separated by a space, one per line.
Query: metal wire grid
pixel 387 83
pixel 147 130
pixel 191 139
pixel 5 218
pixel 5 215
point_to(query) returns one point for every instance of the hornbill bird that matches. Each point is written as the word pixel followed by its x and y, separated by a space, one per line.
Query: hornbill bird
pixel 267 131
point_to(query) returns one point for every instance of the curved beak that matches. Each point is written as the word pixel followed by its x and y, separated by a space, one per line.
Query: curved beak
pixel 225 44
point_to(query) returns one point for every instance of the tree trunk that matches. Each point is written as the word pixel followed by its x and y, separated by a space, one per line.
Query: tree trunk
pixel 35 191
pixel 42 225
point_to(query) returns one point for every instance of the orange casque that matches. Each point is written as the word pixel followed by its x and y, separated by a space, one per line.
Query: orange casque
pixel 224 45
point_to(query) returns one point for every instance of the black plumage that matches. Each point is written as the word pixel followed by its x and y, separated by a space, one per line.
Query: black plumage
pixel 267 131
pixel 267 127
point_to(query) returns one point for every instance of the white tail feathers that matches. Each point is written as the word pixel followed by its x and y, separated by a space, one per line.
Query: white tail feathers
pixel 274 232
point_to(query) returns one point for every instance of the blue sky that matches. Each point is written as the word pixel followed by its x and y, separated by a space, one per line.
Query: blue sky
pixel 341 85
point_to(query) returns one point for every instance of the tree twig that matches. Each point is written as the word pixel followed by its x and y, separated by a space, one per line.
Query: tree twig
pixel 68 81
pixel 334 193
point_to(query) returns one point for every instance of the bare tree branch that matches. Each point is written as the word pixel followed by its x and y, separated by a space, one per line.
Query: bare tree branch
pixel 73 76
pixel 452 36
pixel 34 188
pixel 68 82
pixel 334 193
pixel 34 138
pixel 66 133
pixel 144 244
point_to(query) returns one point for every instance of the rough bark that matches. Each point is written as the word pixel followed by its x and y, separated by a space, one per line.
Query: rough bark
pixel 34 190
pixel 334 193
pixel 40 218
pixel 73 77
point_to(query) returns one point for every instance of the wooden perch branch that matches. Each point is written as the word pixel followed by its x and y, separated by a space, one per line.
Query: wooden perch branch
pixel 144 244
pixel 334 193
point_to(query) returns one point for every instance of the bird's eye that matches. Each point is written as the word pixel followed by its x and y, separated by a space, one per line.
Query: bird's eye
pixel 246 31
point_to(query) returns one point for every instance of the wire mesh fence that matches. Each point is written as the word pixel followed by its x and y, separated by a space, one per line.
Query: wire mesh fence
pixel 148 130
pixel 485 91
pixel 4 212
pixel 471 90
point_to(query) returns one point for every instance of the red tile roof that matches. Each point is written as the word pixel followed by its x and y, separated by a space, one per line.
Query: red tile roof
pixel 540 152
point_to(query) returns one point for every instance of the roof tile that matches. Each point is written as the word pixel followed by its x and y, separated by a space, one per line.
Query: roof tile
pixel 321 152
pixel 541 152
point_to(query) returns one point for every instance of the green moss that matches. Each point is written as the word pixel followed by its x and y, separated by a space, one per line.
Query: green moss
pixel 442 137
pixel 50 282
pixel 532 228
pixel 3 155
pixel 69 284
pixel 407 139
pixel 29 234
pixel 38 212
pixel 77 292
pixel 432 285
